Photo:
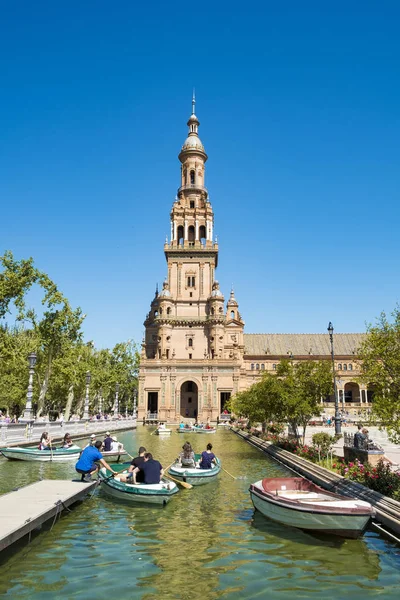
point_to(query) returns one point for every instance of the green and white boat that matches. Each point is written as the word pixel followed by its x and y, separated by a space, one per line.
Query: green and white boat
pixel 35 455
pixel 204 429
pixel 195 476
pixel 157 493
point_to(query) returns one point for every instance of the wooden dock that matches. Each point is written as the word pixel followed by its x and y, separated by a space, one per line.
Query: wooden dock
pixel 29 507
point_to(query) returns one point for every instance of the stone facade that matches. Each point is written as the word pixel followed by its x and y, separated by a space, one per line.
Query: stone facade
pixel 195 354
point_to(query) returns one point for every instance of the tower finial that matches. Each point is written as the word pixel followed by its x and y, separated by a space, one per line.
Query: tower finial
pixel 193 101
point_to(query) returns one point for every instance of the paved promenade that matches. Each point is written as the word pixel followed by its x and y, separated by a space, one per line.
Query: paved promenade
pixel 392 451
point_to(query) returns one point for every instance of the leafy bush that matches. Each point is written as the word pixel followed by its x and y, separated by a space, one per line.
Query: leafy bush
pixel 323 442
pixel 380 478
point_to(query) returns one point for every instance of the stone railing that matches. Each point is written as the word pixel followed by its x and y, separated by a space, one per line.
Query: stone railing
pixel 17 433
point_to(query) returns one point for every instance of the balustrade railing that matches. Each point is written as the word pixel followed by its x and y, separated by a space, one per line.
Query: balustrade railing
pixel 11 433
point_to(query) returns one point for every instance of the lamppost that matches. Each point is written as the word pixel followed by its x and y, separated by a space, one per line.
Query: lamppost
pixel 116 407
pixel 101 401
pixel 86 409
pixel 338 428
pixel 27 416
pixel 134 402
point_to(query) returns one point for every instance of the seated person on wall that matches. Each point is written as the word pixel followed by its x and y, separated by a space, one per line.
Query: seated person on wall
pixel 151 468
pixel 137 462
pixel 359 438
pixel 86 464
pixel 186 457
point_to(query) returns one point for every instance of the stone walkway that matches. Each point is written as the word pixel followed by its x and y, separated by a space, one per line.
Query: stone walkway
pixel 392 451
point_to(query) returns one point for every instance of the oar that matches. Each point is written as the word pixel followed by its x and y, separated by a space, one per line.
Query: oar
pixel 228 473
pixel 188 486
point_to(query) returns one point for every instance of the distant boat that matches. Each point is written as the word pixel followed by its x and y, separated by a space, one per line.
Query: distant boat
pixel 204 429
pixel 185 430
pixel 195 476
pixel 156 493
pixel 162 431
pixel 300 503
pixel 35 455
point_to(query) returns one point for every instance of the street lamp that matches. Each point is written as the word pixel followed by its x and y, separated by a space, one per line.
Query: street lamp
pixel 338 428
pixel 134 402
pixel 116 408
pixel 86 409
pixel 101 401
pixel 27 416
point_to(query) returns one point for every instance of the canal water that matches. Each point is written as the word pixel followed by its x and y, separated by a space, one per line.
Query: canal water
pixel 206 544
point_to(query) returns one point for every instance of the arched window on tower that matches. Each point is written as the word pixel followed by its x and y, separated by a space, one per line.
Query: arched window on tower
pixel 192 177
pixel 202 235
pixel 232 314
pixel 191 235
pixel 190 342
pixel 180 235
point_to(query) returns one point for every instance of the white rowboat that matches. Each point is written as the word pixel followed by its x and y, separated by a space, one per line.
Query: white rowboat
pixel 35 455
pixel 297 502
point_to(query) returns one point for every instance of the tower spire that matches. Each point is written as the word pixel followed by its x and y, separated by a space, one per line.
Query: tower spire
pixel 193 101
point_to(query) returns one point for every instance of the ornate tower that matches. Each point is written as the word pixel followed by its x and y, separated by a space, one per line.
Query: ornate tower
pixel 184 368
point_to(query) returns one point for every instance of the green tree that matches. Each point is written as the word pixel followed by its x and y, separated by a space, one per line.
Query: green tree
pixel 292 395
pixel 380 367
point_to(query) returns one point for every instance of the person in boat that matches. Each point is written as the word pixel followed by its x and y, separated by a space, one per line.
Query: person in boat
pixel 107 442
pixel 87 463
pixel 208 458
pixel 67 441
pixel 187 457
pixel 45 441
pixel 92 440
pixel 151 469
pixel 181 425
pixel 161 426
pixel 116 446
pixel 137 462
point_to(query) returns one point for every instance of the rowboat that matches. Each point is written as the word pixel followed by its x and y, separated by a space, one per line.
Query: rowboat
pixel 195 476
pixel 204 429
pixel 113 455
pixel 300 503
pixel 33 454
pixel 157 493
pixel 185 430
pixel 162 431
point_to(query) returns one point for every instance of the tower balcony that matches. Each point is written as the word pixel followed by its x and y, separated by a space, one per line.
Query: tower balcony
pixel 193 187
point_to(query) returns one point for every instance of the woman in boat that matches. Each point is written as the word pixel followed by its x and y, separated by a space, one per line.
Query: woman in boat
pixel 186 457
pixel 67 441
pixel 45 441
pixel 208 458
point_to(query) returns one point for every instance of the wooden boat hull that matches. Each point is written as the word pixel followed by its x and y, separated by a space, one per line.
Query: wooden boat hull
pixel 328 513
pixel 35 455
pixel 114 455
pixel 203 430
pixel 163 431
pixel 195 476
pixel 160 493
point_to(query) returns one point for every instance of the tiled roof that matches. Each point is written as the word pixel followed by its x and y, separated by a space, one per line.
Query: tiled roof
pixel 264 344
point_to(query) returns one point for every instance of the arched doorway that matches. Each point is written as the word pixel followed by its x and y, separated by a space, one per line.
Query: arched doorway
pixel 352 393
pixel 189 400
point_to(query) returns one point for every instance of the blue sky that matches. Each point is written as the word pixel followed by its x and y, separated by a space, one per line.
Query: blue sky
pixel 299 111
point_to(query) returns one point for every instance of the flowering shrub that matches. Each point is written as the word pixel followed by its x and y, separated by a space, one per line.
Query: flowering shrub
pixel 380 478
pixel 276 428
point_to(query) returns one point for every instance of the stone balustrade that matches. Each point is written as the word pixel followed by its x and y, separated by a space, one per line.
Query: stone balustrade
pixel 19 433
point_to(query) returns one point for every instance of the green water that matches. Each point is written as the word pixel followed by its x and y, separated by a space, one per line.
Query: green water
pixel 205 544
